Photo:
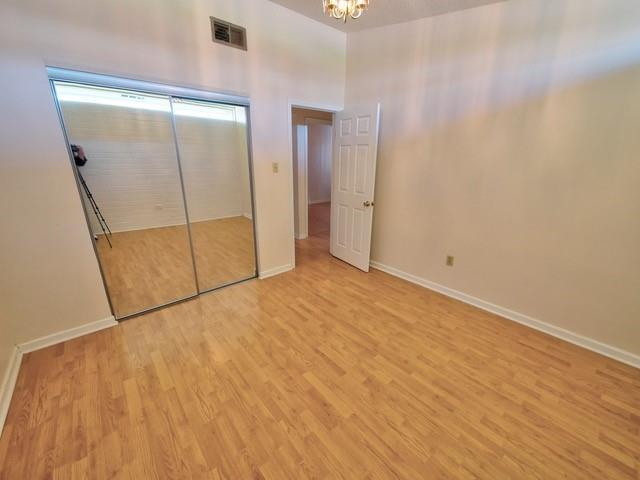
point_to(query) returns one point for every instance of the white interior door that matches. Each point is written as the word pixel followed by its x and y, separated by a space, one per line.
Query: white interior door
pixel 353 180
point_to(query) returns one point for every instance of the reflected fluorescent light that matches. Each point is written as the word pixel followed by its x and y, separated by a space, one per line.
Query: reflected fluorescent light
pixel 114 98
pixel 120 98
pixel 189 109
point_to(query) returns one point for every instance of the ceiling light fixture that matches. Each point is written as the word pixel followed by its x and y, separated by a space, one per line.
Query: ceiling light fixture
pixel 342 9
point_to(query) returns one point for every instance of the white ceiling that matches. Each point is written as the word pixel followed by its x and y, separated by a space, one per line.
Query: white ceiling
pixel 383 12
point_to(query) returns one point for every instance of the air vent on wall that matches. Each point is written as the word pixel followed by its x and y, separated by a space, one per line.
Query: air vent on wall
pixel 228 33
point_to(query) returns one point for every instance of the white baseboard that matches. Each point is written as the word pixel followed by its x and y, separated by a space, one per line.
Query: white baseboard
pixel 301 236
pixel 11 374
pixel 167 225
pixel 9 384
pixel 571 337
pixel 65 335
pixel 275 271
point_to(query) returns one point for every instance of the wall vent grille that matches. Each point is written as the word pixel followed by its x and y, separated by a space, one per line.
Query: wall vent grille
pixel 228 33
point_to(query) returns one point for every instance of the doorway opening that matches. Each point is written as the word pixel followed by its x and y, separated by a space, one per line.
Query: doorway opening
pixel 351 171
pixel 312 141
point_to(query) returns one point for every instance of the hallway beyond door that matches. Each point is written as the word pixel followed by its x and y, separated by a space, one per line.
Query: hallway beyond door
pixel 319 219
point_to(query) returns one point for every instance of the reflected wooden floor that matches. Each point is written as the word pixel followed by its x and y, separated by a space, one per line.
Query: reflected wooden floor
pixel 325 372
pixel 224 250
pixel 146 268
pixel 151 267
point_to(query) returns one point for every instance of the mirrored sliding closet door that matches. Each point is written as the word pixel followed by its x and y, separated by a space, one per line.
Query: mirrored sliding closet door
pixel 166 184
pixel 212 141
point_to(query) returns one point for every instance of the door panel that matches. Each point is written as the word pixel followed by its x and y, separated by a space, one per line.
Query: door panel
pixel 133 194
pixel 154 217
pixel 362 155
pixel 354 162
pixel 212 143
pixel 341 237
pixel 344 155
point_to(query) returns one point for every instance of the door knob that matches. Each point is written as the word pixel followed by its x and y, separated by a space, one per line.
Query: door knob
pixel 368 204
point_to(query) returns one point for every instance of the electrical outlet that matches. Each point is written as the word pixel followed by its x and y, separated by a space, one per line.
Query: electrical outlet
pixel 275 166
pixel 449 261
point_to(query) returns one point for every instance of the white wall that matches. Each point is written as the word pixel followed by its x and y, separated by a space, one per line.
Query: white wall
pixel 50 276
pixel 509 139
pixel 320 150
pixel 50 279
pixel 300 146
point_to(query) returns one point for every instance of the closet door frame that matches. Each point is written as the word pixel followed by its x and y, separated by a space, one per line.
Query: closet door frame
pixel 171 92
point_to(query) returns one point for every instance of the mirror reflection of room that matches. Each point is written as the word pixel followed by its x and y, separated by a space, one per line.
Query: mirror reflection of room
pixel 138 158
pixel 132 174
pixel 212 140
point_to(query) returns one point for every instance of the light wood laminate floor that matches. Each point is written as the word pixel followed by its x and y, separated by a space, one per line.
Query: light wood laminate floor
pixel 325 372
pixel 151 267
